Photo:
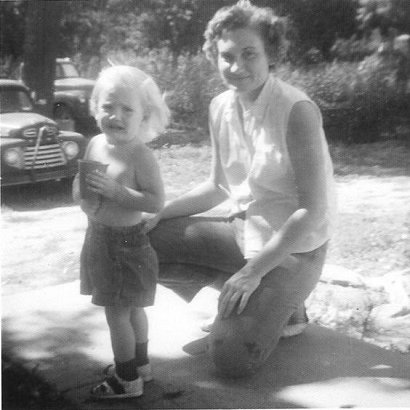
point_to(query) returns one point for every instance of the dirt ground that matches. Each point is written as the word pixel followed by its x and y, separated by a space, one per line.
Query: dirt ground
pixel 373 231
pixel 42 231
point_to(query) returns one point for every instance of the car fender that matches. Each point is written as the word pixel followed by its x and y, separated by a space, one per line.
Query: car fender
pixel 12 142
pixel 72 135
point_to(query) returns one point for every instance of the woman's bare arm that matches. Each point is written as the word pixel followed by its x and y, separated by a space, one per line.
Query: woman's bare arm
pixel 305 150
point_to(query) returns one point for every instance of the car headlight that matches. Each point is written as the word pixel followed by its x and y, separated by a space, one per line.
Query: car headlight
pixel 14 157
pixel 71 149
pixel 82 98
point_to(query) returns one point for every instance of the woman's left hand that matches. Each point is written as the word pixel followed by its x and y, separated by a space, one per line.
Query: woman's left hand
pixel 237 290
pixel 102 184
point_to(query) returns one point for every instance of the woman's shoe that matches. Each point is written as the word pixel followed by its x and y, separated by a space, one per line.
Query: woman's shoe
pixel 296 325
pixel 293 330
pixel 113 387
pixel 145 372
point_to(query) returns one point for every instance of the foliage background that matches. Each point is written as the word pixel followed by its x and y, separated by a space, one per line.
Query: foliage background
pixel 332 54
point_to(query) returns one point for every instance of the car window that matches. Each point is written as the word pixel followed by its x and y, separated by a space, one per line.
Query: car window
pixel 66 70
pixel 14 101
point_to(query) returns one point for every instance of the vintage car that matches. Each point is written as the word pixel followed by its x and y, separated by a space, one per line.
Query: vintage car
pixel 71 96
pixel 33 149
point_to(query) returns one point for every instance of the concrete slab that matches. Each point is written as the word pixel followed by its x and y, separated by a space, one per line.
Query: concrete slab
pixel 66 338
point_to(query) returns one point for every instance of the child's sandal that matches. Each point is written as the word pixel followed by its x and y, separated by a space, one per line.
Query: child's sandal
pixel 115 388
pixel 145 371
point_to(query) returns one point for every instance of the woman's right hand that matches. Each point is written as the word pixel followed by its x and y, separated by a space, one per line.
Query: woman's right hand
pixel 150 221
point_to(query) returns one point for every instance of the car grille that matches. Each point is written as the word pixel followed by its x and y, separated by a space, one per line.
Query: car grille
pixel 47 156
pixel 49 131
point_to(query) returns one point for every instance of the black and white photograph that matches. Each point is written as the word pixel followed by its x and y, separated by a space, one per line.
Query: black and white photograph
pixel 205 204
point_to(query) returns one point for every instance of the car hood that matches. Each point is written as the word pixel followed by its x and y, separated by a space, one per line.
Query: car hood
pixel 18 120
pixel 73 84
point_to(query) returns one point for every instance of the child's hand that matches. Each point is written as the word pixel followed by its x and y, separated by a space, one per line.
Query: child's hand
pixel 150 221
pixel 102 184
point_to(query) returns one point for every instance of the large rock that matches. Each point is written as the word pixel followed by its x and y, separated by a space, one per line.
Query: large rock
pixel 376 310
pixel 389 326
pixel 341 301
pixel 389 323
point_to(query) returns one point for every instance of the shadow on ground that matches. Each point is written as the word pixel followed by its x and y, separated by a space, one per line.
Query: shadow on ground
pixel 64 338
pixel 37 197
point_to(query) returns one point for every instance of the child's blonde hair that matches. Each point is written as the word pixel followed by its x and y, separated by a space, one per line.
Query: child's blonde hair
pixel 156 112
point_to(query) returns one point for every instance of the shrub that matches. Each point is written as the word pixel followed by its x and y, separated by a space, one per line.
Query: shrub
pixel 353 49
pixel 188 81
pixel 327 84
pixel 358 100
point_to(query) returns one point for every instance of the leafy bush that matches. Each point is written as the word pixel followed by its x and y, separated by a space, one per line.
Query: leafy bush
pixel 189 82
pixel 326 84
pixel 359 100
pixel 353 49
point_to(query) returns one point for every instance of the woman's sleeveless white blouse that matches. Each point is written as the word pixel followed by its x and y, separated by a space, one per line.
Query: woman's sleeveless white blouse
pixel 257 167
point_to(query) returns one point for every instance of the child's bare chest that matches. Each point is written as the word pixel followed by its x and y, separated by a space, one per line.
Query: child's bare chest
pixel 121 164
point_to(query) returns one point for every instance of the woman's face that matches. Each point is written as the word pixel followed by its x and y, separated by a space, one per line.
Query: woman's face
pixel 242 61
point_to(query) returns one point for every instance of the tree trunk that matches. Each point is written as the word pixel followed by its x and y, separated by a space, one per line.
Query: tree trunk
pixel 41 49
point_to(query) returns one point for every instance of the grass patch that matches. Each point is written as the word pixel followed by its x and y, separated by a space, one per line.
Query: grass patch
pixel 183 167
pixel 378 159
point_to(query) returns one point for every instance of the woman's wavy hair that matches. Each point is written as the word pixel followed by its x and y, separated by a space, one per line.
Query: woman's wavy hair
pixel 156 112
pixel 245 15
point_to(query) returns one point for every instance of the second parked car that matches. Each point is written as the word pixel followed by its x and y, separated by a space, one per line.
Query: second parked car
pixel 71 96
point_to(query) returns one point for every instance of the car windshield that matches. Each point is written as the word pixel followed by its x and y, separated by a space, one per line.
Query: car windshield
pixel 66 70
pixel 13 100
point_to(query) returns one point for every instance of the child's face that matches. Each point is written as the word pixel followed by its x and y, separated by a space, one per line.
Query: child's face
pixel 242 61
pixel 119 114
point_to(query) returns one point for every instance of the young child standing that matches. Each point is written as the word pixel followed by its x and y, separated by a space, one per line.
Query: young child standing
pixel 118 266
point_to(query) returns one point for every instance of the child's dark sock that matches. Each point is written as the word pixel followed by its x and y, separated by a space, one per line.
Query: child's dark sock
pixel 141 353
pixel 127 370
